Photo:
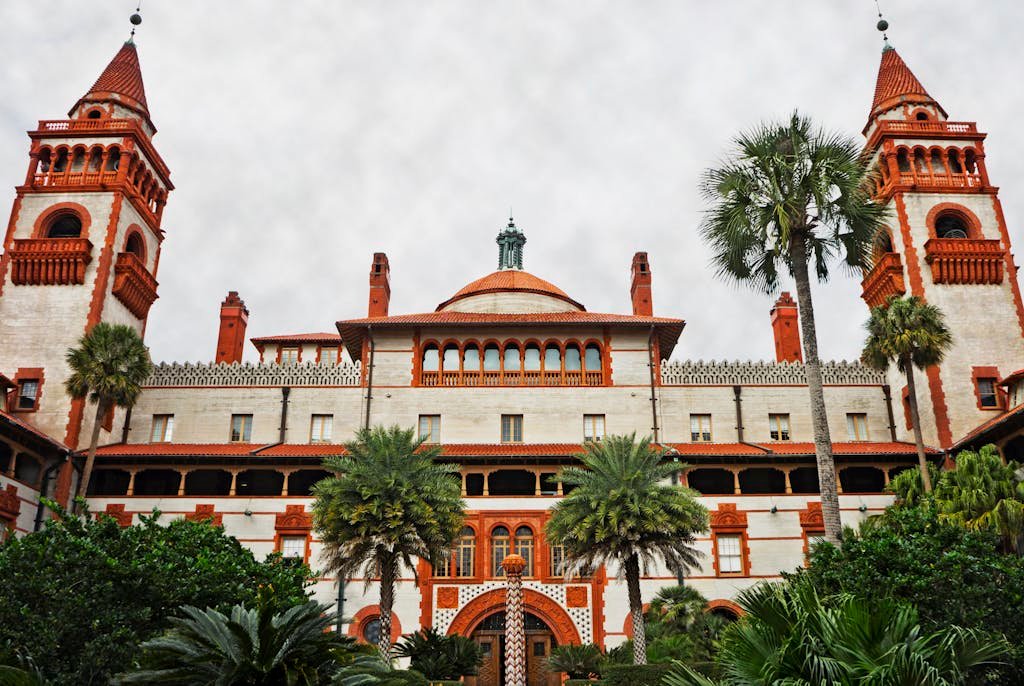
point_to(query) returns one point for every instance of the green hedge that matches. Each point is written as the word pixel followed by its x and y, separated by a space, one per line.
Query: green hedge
pixel 633 675
pixel 578 682
pixel 445 683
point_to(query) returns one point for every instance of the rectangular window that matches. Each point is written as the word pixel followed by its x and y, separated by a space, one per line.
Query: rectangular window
pixel 593 427
pixel 730 556
pixel 700 428
pixel 430 428
pixel 163 428
pixel 28 394
pixel 465 554
pixel 293 547
pixel 511 428
pixel 241 428
pixel 778 427
pixel 857 426
pixel 557 560
pixel 289 354
pixel 329 355
pixel 320 428
pixel 987 394
pixel 443 568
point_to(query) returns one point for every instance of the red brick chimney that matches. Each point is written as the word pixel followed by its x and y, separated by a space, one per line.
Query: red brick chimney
pixel 233 319
pixel 380 286
pixel 640 289
pixel 786 327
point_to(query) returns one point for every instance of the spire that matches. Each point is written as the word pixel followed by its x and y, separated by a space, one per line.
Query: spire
pixel 510 247
pixel 120 82
pixel 897 85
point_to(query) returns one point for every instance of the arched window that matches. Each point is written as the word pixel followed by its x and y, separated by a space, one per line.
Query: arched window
pixel 573 361
pixel 903 160
pixel 531 358
pixel 500 549
pixel 61 163
pixel 113 158
pixel 492 358
pixel 593 359
pixel 512 361
pixel 430 358
pixel 951 225
pixel 971 161
pixel 954 162
pixel 921 160
pixel 921 116
pixel 465 553
pixel 94 114
pixel 471 359
pixel 95 159
pixel 371 631
pixel 450 361
pixel 552 358
pixel 524 548
pixel 938 167
pixel 135 246
pixel 64 225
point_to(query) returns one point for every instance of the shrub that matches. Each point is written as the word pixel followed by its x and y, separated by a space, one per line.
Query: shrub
pixel 440 657
pixel 634 675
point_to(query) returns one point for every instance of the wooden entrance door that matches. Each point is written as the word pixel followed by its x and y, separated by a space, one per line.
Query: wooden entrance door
pixel 490 636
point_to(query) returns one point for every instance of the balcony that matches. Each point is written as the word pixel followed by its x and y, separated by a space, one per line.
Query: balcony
pixel 914 126
pixel 965 260
pixel 945 181
pixel 884 280
pixel 49 261
pixel 133 285
pixel 61 125
pixel 73 178
pixel 435 378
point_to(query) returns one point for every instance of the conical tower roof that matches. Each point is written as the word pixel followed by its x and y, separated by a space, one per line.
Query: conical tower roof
pixel 120 82
pixel 897 85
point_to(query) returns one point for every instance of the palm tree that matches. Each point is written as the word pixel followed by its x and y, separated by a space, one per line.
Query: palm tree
pixel 790 194
pixel 391 501
pixel 251 647
pixel 622 510
pixel 910 333
pixel 576 661
pixel 790 635
pixel 109 367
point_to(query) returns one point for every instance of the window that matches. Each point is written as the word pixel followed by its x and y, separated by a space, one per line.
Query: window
pixel 778 427
pixel 320 428
pixel 511 428
pixel 501 547
pixel 293 548
pixel 950 225
pixel 857 426
pixel 444 566
pixel 593 427
pixel 28 394
pixel 730 556
pixel 289 355
pixel 163 428
pixel 330 355
pixel 524 548
pixel 430 428
pixel 700 428
pixel 465 554
pixel 430 358
pixel 65 225
pixel 241 428
pixel 371 631
pixel 987 395
pixel 557 561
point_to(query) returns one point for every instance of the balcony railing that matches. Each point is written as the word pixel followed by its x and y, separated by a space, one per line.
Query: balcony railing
pixel 88 125
pixel 133 284
pixel 74 178
pixel 941 180
pixel 965 260
pixel 49 261
pixel 884 280
pixel 531 377
pixel 898 126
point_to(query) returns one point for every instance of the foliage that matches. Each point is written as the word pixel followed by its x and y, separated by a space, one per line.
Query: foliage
pixel 81 595
pixel 440 657
pixel 634 675
pixel 791 635
pixel 577 661
pixel 17 669
pixel 372 670
pixel 621 511
pixel 249 647
pixel 391 502
pixel 680 628
pixel 908 488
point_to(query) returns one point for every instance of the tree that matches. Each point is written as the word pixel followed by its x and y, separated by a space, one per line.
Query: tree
pixel 440 657
pixel 108 367
pixel 791 635
pixel 391 501
pixel 912 334
pixel 621 511
pixel 790 194
pixel 80 596
pixel 249 647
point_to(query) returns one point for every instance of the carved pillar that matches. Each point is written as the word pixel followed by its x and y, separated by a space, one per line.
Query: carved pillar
pixel 515 633
pixel 736 482
pixel 284 482
pixel 536 482
pixel 487 482
pixel 181 483
pixel 463 479
pixel 131 482
pixel 789 485
pixel 14 461
pixel 234 481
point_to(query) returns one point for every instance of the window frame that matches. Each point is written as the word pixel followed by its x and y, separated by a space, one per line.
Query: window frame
pixel 326 422
pixel 289 348
pixel 698 436
pixel 20 395
pixel 857 426
pixel 166 428
pixel 515 425
pixel 736 556
pixel 246 433
pixel 590 425
pixel 496 569
pixel 434 430
pixel 777 420
pixel 302 539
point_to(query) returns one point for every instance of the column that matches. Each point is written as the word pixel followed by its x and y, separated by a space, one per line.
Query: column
pixel 487 482
pixel 181 483
pixel 515 634
pixel 14 462
pixel 131 482
pixel 462 477
pixel 536 482
pixel 789 485
pixel 234 481
pixel 736 482
pixel 284 482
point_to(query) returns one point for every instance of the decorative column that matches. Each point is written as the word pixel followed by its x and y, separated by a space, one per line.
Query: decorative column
pixel 515 633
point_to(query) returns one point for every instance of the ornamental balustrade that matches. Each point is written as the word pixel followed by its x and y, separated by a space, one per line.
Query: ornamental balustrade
pixel 49 261
pixel 725 373
pixel 965 260
pixel 915 126
pixel 884 280
pixel 133 284
pixel 250 374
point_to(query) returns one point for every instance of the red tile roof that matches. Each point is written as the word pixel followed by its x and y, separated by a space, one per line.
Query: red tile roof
pixel 302 450
pixel 510 280
pixel 1010 378
pixel 123 78
pixel 177 449
pixel 298 338
pixel 28 428
pixel 896 85
pixel 995 422
pixel 848 448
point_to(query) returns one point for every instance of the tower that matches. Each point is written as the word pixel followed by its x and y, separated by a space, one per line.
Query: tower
pixel 83 241
pixel 946 242
pixel 234 317
pixel 640 286
pixel 786 329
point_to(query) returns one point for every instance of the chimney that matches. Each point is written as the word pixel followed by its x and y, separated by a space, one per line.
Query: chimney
pixel 380 286
pixel 786 327
pixel 233 319
pixel 640 289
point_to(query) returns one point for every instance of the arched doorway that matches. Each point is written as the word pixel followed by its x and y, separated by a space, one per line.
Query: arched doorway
pixel 490 636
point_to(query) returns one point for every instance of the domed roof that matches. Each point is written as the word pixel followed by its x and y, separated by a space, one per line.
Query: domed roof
pixel 513 281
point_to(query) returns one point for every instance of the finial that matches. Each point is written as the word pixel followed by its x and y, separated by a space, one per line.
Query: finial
pixel 883 26
pixel 135 20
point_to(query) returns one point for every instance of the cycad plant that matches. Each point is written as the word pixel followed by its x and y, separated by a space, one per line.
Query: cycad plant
pixel 373 670
pixel 789 196
pixel 576 661
pixel 624 512
pixel 108 367
pixel 913 334
pixel 440 657
pixel 390 502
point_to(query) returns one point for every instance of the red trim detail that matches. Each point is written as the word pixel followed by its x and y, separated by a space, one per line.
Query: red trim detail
pixel 358 626
pixel 728 521
pixel 988 372
pixel 727 605
pixel 116 511
pixel 53 211
pixel 206 512
pixel 486 604
pixel 27 374
pixel 969 218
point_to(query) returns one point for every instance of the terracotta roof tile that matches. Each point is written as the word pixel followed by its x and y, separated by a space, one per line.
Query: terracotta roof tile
pixel 979 431
pixel 848 448
pixel 298 338
pixel 896 84
pixel 25 426
pixel 177 449
pixel 302 450
pixel 510 280
pixel 123 77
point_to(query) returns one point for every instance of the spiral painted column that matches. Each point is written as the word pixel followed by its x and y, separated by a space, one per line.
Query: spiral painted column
pixel 515 633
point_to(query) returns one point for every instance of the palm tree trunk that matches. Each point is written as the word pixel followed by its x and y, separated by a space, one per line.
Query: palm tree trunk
pixel 819 419
pixel 90 458
pixel 388 572
pixel 915 421
pixel 636 610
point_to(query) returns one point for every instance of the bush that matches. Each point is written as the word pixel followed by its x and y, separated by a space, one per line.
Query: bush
pixel 578 682
pixel 441 658
pixel 634 675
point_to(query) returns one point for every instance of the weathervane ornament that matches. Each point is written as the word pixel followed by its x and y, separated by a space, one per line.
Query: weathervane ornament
pixel 510 247
pixel 882 26
pixel 135 19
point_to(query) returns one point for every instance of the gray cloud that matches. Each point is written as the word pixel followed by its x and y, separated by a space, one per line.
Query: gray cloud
pixel 304 136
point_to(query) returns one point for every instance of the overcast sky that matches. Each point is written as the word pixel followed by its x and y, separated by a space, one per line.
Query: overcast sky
pixel 304 136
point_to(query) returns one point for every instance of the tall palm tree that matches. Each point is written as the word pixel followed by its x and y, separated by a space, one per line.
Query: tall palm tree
pixel 788 195
pixel 108 367
pixel 623 511
pixel 390 502
pixel 911 333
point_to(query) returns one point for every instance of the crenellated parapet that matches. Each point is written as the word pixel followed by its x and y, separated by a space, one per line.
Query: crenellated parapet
pixel 713 373
pixel 250 374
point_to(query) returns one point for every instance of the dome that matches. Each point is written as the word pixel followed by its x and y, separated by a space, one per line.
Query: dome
pixel 513 291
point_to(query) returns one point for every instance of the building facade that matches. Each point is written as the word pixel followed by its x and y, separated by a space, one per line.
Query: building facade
pixel 510 375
